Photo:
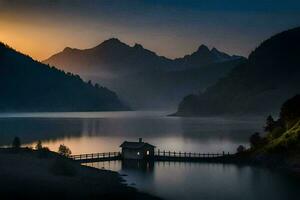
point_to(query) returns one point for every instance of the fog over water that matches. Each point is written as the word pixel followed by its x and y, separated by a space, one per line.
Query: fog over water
pixel 105 131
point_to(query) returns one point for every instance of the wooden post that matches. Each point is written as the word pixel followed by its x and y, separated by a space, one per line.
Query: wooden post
pixel 164 153
pixel 179 153
pixel 169 154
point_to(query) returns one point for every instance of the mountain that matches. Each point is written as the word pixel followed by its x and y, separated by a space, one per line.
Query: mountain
pixel 202 57
pixel 258 86
pixel 110 58
pixel 140 76
pixel 28 85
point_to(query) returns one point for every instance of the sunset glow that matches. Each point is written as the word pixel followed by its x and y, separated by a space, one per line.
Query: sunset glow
pixel 42 28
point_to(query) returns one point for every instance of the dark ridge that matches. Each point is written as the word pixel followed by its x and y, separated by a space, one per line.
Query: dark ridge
pixel 259 86
pixel 28 85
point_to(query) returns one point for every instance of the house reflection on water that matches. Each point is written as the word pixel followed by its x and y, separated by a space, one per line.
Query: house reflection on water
pixel 138 165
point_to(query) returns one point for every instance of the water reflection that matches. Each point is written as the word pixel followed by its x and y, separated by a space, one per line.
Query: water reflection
pixel 138 165
pixel 180 180
pixel 105 131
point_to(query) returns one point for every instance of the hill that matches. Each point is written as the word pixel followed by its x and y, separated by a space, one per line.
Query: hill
pixel 280 145
pixel 36 174
pixel 28 85
pixel 258 86
pixel 140 76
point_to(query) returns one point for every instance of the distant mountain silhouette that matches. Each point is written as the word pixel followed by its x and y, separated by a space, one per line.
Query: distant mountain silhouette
pixel 143 78
pixel 202 57
pixel 28 85
pixel 260 85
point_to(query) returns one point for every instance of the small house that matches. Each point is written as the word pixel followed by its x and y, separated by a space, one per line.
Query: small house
pixel 137 150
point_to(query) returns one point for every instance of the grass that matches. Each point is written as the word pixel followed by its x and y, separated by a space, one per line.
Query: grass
pixel 288 141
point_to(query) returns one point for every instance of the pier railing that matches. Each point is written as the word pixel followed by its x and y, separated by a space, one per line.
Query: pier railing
pixel 188 154
pixel 158 156
pixel 97 156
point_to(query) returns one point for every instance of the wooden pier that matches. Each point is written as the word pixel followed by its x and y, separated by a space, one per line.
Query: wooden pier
pixel 158 156
pixel 96 157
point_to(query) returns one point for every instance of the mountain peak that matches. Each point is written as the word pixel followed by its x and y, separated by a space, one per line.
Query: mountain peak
pixel 214 49
pixel 203 48
pixel 112 42
pixel 67 49
pixel 138 46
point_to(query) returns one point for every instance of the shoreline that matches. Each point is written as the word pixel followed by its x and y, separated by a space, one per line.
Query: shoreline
pixel 31 174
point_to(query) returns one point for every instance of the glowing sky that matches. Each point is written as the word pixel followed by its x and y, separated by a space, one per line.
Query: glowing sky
pixel 172 28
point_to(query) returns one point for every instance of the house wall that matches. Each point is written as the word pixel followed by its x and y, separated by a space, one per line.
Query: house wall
pixel 133 153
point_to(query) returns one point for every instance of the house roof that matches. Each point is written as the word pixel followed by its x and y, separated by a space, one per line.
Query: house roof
pixel 135 145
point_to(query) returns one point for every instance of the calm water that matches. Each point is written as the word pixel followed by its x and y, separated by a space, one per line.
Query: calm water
pixel 105 131
pixel 204 181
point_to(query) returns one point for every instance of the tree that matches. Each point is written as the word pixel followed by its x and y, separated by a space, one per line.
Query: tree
pixel 97 86
pixel 64 150
pixel 240 149
pixel 39 145
pixel 291 109
pixel 16 143
pixel 270 124
pixel 255 140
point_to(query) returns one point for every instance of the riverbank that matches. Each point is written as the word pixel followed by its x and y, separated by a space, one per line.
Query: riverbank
pixel 30 174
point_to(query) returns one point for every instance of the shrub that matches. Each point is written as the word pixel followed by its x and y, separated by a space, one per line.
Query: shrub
pixel 240 149
pixel 64 150
pixel 39 145
pixel 270 124
pixel 16 144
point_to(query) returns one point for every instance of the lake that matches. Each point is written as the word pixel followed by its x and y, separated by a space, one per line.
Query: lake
pixel 92 132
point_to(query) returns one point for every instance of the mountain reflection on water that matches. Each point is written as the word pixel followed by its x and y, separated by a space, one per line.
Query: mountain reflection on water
pixel 105 131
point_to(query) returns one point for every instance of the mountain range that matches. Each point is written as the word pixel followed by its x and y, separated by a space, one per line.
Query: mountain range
pixel 258 86
pixel 141 77
pixel 28 85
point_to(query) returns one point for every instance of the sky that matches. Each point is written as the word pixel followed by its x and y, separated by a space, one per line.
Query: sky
pixel 171 28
